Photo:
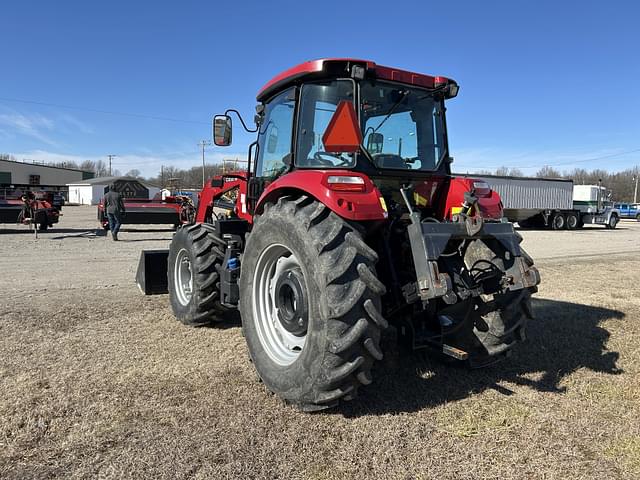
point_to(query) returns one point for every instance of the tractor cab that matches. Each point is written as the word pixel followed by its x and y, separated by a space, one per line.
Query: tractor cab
pixel 337 114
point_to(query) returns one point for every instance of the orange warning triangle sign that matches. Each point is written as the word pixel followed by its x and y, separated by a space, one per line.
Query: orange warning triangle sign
pixel 343 132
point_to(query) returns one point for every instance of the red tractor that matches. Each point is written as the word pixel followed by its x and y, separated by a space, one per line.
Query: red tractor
pixel 348 224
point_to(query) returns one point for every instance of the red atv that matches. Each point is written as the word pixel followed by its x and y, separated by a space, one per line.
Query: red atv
pixel 347 225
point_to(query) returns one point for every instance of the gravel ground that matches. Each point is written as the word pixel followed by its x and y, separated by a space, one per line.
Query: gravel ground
pixel 97 380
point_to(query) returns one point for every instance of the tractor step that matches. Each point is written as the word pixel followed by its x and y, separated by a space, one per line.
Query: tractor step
pixel 454 352
pixel 423 340
pixel 151 276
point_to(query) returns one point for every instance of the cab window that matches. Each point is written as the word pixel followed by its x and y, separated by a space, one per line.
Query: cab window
pixel 275 136
pixel 318 103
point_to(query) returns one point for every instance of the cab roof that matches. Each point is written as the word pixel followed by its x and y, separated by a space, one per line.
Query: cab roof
pixel 334 67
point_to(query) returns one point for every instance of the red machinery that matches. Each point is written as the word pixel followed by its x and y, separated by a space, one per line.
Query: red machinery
pixel 29 208
pixel 173 210
pixel 346 227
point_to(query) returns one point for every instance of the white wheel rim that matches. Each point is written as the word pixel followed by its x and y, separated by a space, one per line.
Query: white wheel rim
pixel 282 346
pixel 183 277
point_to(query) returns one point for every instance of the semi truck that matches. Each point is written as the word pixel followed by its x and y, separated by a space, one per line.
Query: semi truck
pixel 552 202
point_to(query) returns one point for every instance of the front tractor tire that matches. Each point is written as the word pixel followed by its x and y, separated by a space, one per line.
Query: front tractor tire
pixel 310 304
pixel 195 256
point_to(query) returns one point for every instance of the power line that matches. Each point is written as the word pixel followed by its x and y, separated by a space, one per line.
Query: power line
pixel 108 112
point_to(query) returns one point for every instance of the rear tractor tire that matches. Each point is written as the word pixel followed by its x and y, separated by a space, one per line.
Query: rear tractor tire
pixel 310 304
pixel 195 256
pixel 495 323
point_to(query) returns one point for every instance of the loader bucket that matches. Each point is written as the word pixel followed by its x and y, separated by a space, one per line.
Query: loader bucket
pixel 151 276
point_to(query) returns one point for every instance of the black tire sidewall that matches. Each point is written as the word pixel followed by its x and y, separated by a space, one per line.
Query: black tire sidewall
pixel 295 381
pixel 182 312
pixel 568 222
pixel 558 222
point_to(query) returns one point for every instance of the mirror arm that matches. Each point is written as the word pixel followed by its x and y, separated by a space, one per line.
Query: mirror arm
pixel 244 125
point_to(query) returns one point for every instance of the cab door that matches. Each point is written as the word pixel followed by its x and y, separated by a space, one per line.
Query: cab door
pixel 274 153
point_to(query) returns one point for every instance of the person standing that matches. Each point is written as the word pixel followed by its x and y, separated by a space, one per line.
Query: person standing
pixel 114 208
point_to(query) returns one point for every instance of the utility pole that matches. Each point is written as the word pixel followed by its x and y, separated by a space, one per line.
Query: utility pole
pixel 110 158
pixel 635 191
pixel 203 144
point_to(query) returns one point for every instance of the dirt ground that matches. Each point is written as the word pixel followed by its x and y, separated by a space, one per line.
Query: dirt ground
pixel 99 381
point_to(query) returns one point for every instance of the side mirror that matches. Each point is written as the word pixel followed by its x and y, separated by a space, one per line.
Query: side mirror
pixel 375 142
pixel 217 182
pixel 222 130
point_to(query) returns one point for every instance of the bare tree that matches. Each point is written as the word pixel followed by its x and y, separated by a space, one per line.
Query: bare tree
pixel 101 169
pixel 548 172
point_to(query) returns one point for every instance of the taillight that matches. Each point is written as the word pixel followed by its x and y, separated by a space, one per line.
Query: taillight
pixel 481 187
pixel 346 183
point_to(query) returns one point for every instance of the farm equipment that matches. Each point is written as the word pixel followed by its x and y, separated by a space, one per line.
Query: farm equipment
pixel 348 230
pixel 29 208
pixel 174 210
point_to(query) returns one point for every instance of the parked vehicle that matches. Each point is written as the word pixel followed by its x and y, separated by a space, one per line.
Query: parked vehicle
pixel 347 228
pixel 628 210
pixel 553 203
pixel 173 210
pixel 38 210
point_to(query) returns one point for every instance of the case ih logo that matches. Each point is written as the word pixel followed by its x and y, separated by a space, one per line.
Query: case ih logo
pixel 130 189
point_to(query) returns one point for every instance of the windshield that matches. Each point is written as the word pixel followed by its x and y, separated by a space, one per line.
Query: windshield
pixel 402 127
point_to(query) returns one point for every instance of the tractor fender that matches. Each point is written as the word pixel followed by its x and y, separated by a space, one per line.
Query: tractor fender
pixel 489 201
pixel 365 204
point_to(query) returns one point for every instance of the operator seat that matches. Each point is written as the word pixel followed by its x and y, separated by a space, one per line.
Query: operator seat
pixel 390 160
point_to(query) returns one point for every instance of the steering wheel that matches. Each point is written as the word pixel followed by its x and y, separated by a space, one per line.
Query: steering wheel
pixel 317 156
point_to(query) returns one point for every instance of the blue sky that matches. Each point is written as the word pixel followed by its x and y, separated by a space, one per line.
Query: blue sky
pixel 544 82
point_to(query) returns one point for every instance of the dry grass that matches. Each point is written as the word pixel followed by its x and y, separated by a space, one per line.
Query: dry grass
pixel 97 381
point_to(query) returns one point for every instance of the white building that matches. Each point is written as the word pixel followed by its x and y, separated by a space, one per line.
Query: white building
pixel 90 192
